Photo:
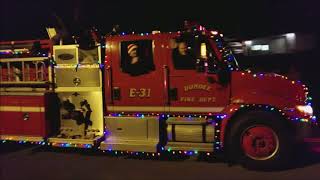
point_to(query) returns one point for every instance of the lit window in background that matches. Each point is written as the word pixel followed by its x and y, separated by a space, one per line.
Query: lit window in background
pixel 291 36
pixel 265 48
pixel 248 43
pixel 256 47
pixel 260 47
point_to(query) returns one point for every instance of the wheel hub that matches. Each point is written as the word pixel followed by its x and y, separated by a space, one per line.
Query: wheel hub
pixel 259 142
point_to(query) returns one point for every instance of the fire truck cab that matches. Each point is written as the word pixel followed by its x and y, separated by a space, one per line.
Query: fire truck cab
pixel 184 92
pixel 167 77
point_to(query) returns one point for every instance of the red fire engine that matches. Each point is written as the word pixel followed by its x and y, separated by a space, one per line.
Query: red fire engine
pixel 177 92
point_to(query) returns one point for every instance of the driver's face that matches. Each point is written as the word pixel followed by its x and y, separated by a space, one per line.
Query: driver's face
pixel 133 53
pixel 182 48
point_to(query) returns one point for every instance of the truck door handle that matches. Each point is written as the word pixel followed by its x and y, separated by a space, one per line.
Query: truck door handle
pixel 173 94
pixel 116 93
pixel 26 116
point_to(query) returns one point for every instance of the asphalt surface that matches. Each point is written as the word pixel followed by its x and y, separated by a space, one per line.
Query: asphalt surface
pixel 36 162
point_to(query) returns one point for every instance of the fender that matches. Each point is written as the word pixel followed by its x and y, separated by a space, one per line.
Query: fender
pixel 233 110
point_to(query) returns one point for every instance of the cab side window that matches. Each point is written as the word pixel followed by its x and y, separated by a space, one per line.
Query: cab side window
pixel 183 55
pixel 194 54
pixel 137 57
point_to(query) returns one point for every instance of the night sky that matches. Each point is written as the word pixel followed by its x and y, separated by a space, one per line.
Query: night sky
pixel 21 19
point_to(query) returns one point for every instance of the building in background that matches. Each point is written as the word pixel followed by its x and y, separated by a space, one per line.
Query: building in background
pixel 272 45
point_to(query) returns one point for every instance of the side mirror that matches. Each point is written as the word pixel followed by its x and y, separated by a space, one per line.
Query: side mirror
pixel 200 65
pixel 224 75
pixel 221 69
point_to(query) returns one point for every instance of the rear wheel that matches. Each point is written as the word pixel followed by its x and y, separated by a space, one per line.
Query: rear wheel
pixel 260 140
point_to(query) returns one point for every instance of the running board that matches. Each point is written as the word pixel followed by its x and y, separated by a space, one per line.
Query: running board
pixel 189 146
pixel 78 143
pixel 129 145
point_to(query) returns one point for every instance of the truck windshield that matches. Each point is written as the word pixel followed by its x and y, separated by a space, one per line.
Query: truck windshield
pixel 224 52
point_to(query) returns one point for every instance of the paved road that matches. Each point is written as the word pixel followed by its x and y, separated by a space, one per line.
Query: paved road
pixel 30 162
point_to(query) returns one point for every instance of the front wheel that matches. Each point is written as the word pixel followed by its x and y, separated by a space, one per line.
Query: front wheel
pixel 261 140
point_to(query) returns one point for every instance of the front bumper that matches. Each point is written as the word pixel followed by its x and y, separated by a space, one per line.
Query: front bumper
pixel 308 134
pixel 313 144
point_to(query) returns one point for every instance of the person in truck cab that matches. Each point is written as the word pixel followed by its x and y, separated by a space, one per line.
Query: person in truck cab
pixel 182 57
pixel 135 65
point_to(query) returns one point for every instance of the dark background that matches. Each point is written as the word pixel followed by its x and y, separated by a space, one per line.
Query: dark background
pixel 22 19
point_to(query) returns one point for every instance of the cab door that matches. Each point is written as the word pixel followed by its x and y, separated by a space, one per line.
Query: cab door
pixel 136 84
pixel 195 89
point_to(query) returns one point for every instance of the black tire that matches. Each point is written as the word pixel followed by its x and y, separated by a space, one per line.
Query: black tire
pixel 281 150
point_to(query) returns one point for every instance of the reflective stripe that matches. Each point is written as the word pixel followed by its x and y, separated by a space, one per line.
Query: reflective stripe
pixel 25 93
pixel 21 109
pixel 196 109
pixel 21 138
pixel 136 108
pixel 162 108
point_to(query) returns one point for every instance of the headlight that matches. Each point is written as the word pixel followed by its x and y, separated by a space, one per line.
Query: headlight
pixel 306 109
